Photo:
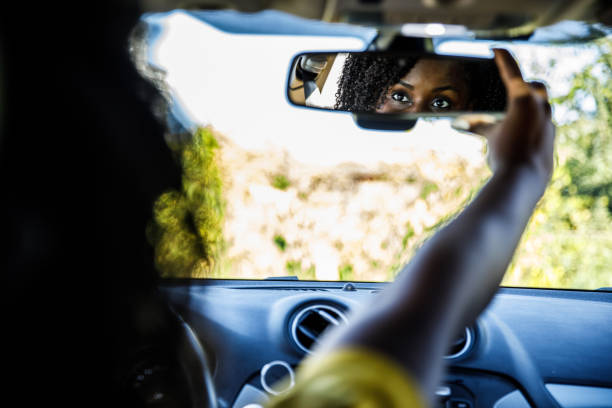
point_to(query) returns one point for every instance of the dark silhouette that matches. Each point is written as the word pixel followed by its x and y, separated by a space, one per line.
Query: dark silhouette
pixel 82 158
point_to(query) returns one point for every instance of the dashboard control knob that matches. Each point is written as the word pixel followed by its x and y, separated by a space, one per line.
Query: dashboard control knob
pixel 349 287
pixel 443 391
pixel 458 404
pixel 277 377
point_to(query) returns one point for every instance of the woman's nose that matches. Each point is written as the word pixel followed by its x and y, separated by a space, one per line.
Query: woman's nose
pixel 419 105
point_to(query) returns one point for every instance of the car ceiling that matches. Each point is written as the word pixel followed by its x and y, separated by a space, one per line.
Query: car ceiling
pixel 492 18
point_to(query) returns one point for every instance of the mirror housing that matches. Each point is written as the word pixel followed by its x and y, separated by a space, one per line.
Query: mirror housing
pixel 391 90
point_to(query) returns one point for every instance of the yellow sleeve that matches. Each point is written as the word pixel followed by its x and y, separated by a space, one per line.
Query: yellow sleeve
pixel 351 378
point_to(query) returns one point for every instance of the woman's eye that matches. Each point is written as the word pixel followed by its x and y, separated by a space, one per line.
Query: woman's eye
pixel 440 104
pixel 400 97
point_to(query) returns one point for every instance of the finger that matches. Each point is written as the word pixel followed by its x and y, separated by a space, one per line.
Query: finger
pixel 508 68
pixel 540 89
pixel 510 74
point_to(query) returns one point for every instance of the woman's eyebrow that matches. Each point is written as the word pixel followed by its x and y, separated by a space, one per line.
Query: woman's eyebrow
pixel 438 89
pixel 406 84
pixel 446 87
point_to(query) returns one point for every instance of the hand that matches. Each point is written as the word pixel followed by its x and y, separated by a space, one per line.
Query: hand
pixel 526 135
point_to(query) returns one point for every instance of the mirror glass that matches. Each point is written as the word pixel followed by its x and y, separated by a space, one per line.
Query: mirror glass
pixel 413 84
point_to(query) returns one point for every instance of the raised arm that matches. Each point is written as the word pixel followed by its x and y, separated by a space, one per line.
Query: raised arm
pixel 456 273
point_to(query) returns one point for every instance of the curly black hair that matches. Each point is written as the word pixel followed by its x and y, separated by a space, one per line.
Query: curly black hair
pixel 366 77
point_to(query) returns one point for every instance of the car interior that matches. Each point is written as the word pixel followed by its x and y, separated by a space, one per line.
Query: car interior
pixel 108 166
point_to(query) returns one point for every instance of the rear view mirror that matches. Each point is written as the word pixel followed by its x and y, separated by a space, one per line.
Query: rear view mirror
pixel 386 87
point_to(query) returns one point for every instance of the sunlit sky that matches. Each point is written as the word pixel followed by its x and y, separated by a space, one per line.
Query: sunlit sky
pixel 236 82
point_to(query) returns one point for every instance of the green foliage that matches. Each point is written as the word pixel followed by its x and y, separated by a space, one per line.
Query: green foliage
pixel 280 182
pixel 409 234
pixel 294 268
pixel 411 179
pixel 345 272
pixel 280 242
pixel 186 231
pixel 428 188
pixel 568 242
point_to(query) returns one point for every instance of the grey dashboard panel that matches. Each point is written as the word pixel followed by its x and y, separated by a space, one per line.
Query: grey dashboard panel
pixel 250 395
pixel 580 396
pixel 514 399
pixel 524 339
pixel 566 337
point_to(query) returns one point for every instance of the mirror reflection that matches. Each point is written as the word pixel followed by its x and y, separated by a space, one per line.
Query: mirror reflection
pixel 395 83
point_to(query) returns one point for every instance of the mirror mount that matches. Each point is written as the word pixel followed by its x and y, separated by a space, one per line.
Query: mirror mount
pixel 416 44
pixel 395 41
pixel 378 122
pixel 413 37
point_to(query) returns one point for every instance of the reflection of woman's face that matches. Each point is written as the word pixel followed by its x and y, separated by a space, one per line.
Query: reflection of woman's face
pixel 430 86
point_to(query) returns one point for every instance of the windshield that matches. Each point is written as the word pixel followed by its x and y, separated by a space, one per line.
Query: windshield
pixel 270 189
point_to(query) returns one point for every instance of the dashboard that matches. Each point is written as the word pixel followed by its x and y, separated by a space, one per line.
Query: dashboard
pixel 529 348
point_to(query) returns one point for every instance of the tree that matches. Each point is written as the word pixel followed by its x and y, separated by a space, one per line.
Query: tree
pixel 186 230
pixel 568 242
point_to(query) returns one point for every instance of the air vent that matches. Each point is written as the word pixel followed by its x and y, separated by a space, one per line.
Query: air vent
pixel 310 322
pixel 462 344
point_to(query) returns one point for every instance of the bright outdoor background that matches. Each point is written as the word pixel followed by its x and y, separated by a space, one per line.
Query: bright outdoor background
pixel 274 190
